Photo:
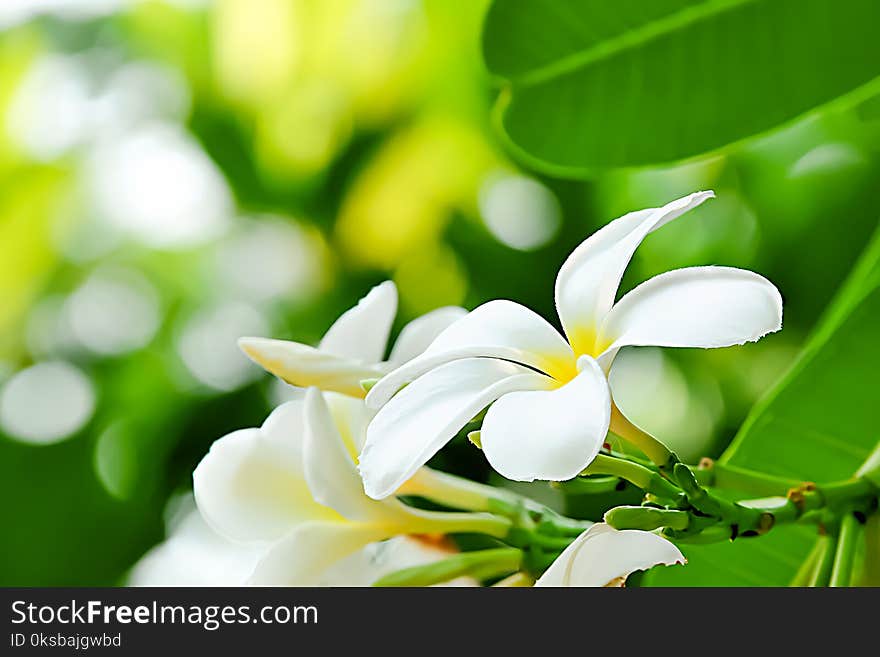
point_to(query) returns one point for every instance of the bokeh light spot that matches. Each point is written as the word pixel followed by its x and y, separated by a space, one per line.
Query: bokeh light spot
pixel 116 310
pixel 519 211
pixel 158 185
pixel 208 345
pixel 269 258
pixel 46 403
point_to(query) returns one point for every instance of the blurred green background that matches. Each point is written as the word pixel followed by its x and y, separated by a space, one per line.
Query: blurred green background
pixel 177 173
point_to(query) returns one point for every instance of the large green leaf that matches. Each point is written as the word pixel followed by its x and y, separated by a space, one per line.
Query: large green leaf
pixel 819 423
pixel 594 84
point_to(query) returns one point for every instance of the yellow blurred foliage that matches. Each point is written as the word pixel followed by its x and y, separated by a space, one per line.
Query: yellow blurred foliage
pixel 302 132
pixel 404 197
pixel 309 71
pixel 257 47
pixel 27 201
pixel 431 278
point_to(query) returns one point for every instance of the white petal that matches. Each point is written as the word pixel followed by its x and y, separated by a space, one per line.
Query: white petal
pixel 415 337
pixel 553 434
pixel 588 280
pixel 351 417
pixel 426 414
pixel 603 554
pixel 251 485
pixel 302 365
pixel 329 469
pixel 301 557
pixel 694 307
pixel 361 333
pixel 497 329
pixel 195 555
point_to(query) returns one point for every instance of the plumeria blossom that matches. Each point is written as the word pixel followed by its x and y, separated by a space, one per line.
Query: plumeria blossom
pixel 548 398
pixel 194 555
pixel 353 349
pixel 292 485
pixel 604 556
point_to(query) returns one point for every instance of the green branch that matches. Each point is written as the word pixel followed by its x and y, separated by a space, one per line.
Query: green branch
pixel 480 565
pixel 824 562
pixel 731 477
pixel 847 541
pixel 648 480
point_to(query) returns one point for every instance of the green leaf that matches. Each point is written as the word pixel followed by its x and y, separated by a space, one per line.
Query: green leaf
pixel 819 423
pixel 593 84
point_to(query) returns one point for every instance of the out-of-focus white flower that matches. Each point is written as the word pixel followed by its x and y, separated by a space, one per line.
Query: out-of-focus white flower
pixel 194 555
pixel 67 102
pixel 549 402
pixel 293 484
pixel 604 556
pixel 353 349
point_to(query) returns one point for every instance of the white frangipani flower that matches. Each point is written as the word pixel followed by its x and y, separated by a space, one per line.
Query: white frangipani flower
pixel 193 554
pixel 353 348
pixel 293 484
pixel 549 401
pixel 604 556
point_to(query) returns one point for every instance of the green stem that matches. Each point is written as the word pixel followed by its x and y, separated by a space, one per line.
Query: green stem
pixel 635 459
pixel 722 475
pixel 844 492
pixel 850 493
pixel 712 534
pixel 460 493
pixel 847 541
pixel 870 469
pixel 808 567
pixel 646 518
pixel 659 454
pixel 871 570
pixel 441 522
pixel 480 565
pixel 825 561
pixel 449 490
pixel 564 525
pixel 557 543
pixel 741 519
pixel 750 517
pixel 588 485
pixel 638 475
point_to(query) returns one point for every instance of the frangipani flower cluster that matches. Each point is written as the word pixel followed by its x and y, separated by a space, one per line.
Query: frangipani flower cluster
pixel 548 398
pixel 316 485
pixel 292 485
